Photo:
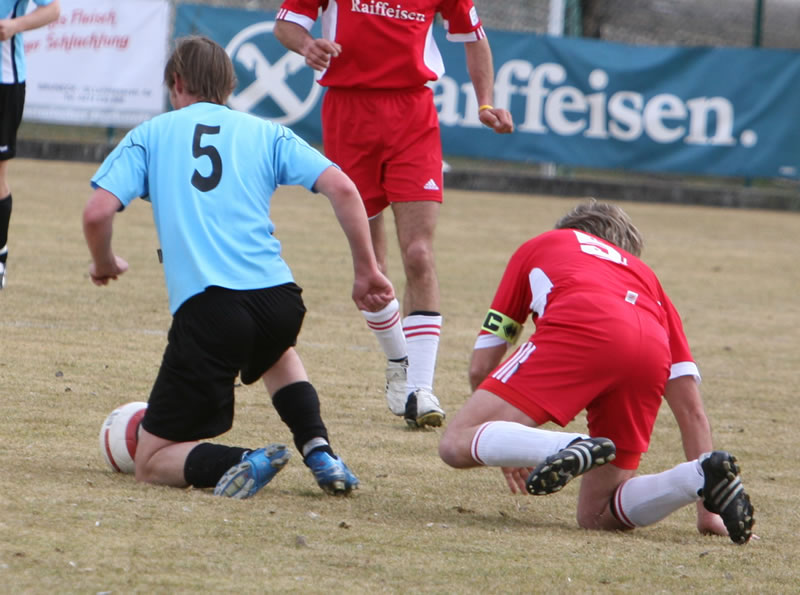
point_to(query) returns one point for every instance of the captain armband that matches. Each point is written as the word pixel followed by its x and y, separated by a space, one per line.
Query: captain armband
pixel 502 326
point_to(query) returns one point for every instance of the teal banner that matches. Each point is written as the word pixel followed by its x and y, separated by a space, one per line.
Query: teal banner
pixel 576 102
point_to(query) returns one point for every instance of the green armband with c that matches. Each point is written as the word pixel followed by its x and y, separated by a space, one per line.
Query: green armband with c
pixel 502 326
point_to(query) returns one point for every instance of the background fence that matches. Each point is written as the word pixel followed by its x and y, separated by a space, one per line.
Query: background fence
pixel 657 22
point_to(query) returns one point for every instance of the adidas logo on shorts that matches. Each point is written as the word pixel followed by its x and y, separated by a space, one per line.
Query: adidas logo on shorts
pixel 430 185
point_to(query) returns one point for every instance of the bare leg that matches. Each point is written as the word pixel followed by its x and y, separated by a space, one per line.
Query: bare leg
pixel 161 461
pixel 594 500
pixel 287 370
pixel 377 230
pixel 416 223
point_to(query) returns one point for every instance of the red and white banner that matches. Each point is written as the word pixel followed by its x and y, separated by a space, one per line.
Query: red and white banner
pixel 100 64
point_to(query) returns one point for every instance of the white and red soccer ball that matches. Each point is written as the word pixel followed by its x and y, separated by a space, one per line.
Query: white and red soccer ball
pixel 119 436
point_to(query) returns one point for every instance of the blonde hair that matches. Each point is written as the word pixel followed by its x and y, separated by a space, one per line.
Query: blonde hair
pixel 606 221
pixel 203 66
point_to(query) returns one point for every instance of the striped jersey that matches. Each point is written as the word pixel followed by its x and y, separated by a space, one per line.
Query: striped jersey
pixel 12 51
pixel 385 45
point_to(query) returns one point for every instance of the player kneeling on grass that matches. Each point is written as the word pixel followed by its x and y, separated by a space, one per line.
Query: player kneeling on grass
pixel 210 173
pixel 608 340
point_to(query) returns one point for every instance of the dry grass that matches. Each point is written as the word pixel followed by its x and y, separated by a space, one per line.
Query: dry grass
pixel 71 352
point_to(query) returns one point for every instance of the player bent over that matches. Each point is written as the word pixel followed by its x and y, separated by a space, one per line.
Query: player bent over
pixel 210 173
pixel 608 340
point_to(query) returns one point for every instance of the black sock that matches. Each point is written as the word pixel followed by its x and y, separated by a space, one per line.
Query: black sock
pixel 5 217
pixel 298 406
pixel 424 313
pixel 206 463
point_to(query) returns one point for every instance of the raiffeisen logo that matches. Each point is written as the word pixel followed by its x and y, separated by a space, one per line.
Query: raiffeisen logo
pixel 273 82
pixel 551 106
pixel 385 9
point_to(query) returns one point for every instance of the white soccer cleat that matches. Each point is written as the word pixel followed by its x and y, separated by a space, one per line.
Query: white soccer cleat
pixel 396 376
pixel 423 409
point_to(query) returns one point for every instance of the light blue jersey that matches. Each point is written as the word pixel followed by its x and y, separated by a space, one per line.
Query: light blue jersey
pixel 12 51
pixel 210 173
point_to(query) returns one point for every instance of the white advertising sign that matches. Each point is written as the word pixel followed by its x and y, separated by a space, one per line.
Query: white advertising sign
pixel 101 63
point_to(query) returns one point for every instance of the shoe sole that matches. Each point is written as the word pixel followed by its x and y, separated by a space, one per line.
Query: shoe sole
pixel 564 466
pixel 431 419
pixel 336 488
pixel 729 500
pixel 238 481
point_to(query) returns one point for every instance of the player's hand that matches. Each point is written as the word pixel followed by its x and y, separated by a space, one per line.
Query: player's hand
pixel 7 29
pixel 372 292
pixel 516 478
pixel 101 276
pixel 709 523
pixel 499 120
pixel 319 52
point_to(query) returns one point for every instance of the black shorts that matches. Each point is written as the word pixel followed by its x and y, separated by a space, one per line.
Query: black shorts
pixel 215 336
pixel 12 101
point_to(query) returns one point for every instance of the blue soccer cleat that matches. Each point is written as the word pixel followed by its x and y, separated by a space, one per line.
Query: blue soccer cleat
pixel 332 475
pixel 256 470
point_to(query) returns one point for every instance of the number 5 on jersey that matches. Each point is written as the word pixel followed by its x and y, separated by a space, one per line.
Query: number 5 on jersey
pixel 199 181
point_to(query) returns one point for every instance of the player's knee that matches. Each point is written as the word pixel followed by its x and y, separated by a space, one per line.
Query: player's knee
pixel 418 259
pixel 449 451
pixel 144 471
pixel 598 518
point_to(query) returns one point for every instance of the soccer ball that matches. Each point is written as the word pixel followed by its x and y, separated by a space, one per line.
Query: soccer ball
pixel 119 436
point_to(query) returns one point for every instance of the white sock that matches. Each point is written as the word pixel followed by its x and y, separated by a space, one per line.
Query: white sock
pixel 647 499
pixel 385 325
pixel 509 444
pixel 422 339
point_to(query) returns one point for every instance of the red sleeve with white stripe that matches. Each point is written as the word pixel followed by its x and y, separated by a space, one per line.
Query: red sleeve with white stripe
pixel 292 9
pixel 461 20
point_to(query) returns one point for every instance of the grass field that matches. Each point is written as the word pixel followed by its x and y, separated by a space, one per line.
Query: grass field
pixel 70 352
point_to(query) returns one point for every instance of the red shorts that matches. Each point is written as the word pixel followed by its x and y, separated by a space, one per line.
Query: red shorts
pixel 387 141
pixel 617 374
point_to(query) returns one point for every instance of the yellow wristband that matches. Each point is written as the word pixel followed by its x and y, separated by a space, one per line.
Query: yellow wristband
pixel 502 326
pixel 483 107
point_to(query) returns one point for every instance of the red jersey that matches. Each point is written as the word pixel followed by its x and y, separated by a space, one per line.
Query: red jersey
pixel 385 45
pixel 573 280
